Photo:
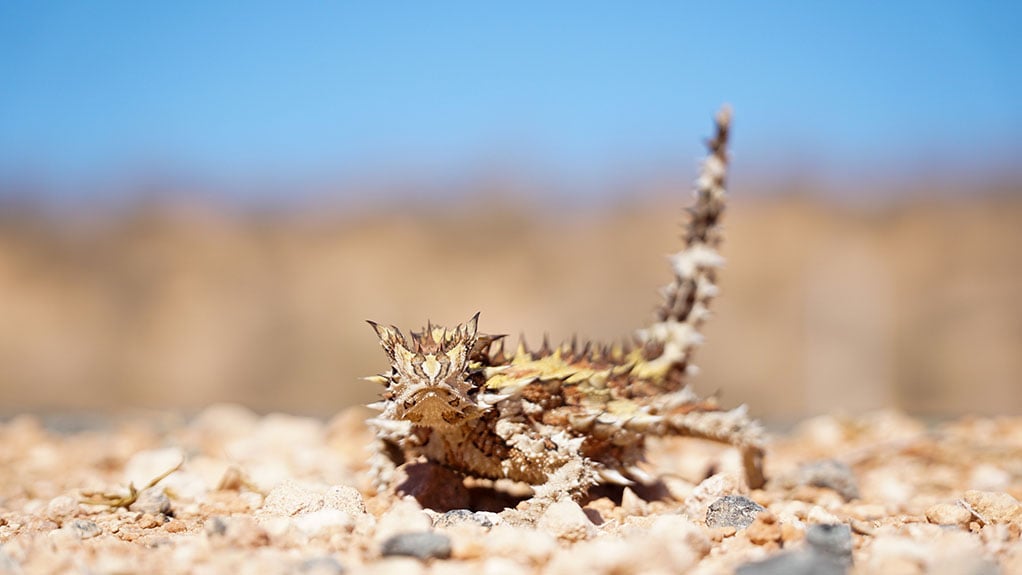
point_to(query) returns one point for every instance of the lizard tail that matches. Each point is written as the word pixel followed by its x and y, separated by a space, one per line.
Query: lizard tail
pixel 675 332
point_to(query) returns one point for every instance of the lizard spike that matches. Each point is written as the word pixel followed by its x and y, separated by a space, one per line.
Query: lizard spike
pixel 493 399
pixel 608 475
pixel 523 348
pixel 544 349
pixel 379 379
pixel 497 352
pixel 640 475
pixel 378 405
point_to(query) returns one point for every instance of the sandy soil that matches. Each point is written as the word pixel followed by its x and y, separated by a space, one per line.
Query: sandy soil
pixel 880 493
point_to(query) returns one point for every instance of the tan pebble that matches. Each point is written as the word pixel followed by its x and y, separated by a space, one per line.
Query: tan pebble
pixel 405 516
pixel 710 490
pixel 243 531
pixel 291 498
pixel 504 566
pixel 720 533
pixel 862 527
pixel 175 526
pixel 566 520
pixel 344 498
pixel 994 507
pixel 61 507
pixel 790 533
pixel 148 521
pixel 395 566
pixel 949 514
pixel 505 540
pixel 764 529
pixel 821 516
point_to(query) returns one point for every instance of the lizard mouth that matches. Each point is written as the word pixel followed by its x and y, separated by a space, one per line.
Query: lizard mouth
pixel 434 407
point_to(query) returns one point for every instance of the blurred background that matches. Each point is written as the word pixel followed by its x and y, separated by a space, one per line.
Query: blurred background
pixel 202 202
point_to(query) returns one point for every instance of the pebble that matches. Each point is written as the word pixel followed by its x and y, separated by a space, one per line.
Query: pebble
pixel 735 511
pixel 344 498
pixel 455 516
pixel 323 520
pixel 794 563
pixel 84 528
pixel 994 507
pixel 834 540
pixel 405 515
pixel 764 529
pixel 291 498
pixel 325 565
pixel 61 507
pixel 710 490
pixel 949 514
pixel 566 520
pixel 831 474
pixel 420 544
pixel 153 501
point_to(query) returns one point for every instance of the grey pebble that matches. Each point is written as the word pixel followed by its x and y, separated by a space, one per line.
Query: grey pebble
pixel 455 516
pixel 325 565
pixel 804 562
pixel 85 528
pixel 421 544
pixel 215 526
pixel 831 474
pixel 153 501
pixel 829 552
pixel 833 540
pixel 735 511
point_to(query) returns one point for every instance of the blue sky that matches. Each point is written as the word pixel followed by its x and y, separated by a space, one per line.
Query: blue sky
pixel 238 92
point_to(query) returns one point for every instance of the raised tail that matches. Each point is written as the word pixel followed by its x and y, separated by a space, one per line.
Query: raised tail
pixel 675 333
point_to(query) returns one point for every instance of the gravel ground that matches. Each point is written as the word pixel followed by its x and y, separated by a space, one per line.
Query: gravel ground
pixel 879 493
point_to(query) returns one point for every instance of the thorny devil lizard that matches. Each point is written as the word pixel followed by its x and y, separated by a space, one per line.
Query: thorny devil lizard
pixel 567 418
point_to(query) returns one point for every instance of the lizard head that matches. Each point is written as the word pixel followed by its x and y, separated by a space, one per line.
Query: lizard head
pixel 428 384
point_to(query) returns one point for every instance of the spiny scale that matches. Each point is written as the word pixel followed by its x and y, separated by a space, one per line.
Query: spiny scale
pixel 565 417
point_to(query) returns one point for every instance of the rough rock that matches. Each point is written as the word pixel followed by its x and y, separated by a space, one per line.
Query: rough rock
pixel 993 507
pixel 735 511
pixel 949 514
pixel 153 501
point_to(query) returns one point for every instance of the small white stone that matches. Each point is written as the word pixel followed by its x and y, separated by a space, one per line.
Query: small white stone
pixel 319 521
pixel 710 490
pixel 291 498
pixel 61 507
pixel 566 520
pixel 406 515
pixel 344 498
pixel 820 516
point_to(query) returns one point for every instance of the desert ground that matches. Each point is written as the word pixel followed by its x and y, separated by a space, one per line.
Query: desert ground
pixel 181 389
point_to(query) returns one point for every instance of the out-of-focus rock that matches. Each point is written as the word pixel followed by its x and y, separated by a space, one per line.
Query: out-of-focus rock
pixel 455 516
pixel 61 507
pixel 949 514
pixel 708 491
pixel 566 520
pixel 421 544
pixel 153 501
pixel 993 507
pixel 831 474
